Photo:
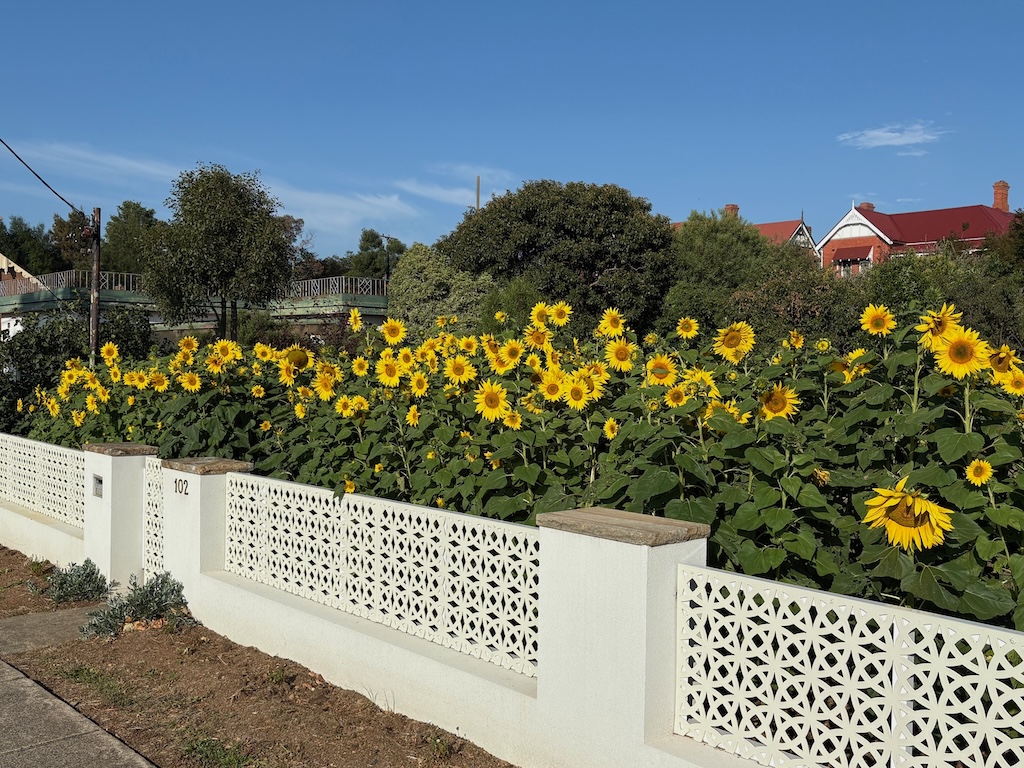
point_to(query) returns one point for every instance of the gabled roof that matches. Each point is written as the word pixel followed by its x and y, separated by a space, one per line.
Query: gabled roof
pixel 969 222
pixel 779 231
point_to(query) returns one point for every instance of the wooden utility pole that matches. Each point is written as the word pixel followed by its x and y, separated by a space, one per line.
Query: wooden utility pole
pixel 94 293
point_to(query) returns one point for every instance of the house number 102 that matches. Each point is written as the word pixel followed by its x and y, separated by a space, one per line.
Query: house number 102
pixel 181 486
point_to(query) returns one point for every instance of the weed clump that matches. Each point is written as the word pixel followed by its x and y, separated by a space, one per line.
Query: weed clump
pixel 76 583
pixel 160 601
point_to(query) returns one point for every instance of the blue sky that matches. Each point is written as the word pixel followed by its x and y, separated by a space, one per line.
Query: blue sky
pixel 381 114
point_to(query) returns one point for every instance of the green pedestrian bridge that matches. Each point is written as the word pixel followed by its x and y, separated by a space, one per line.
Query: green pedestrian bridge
pixel 309 303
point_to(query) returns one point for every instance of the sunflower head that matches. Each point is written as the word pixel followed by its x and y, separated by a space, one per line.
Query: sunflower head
pixel 979 472
pixel 909 518
pixel 779 401
pixel 877 320
pixel 963 354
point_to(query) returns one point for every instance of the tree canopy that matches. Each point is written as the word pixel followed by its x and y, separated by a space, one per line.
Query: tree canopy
pixel 593 245
pixel 424 285
pixel 225 246
pixel 31 247
pixel 125 237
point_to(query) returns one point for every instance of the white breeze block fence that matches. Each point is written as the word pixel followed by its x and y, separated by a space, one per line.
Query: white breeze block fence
pixel 598 639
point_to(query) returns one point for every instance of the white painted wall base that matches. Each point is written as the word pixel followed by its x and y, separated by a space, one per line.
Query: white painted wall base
pixel 40 536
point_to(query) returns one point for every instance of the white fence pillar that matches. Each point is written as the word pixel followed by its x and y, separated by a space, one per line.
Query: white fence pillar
pixel 194 515
pixel 114 508
pixel 607 613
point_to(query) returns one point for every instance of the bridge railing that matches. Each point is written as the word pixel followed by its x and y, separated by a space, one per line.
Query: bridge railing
pixel 127 281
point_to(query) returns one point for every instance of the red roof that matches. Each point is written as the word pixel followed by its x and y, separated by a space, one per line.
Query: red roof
pixel 779 231
pixel 969 222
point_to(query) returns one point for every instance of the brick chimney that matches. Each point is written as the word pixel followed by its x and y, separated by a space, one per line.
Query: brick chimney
pixel 731 209
pixel 1001 196
pixel 866 206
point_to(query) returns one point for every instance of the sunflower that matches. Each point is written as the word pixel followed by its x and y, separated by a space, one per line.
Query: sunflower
pixel 393 331
pixel 551 384
pixel 661 370
pixel 1002 361
pixel 500 316
pixel 258 391
pixel 286 373
pixel 979 472
pixel 514 421
pixel 355 320
pixel 90 404
pixel 619 354
pixel 215 364
pixel 676 396
pixel 459 370
pixel 188 345
pixel 540 315
pixel 796 339
pixel 700 382
pixel 560 314
pixel 877 320
pixel 612 323
pixel 388 372
pixel 190 382
pixel 575 393
pixel 610 429
pixel 468 344
pixel 343 406
pixel 780 400
pixel 537 336
pixel 350 487
pixel 687 328
pixel 533 361
pixel 823 345
pixel 908 517
pixel 78 417
pixel 360 367
pixel 263 352
pixel 418 384
pixel 412 416
pixel 159 381
pixel 935 325
pixel 109 353
pixel 323 386
pixel 300 411
pixel 735 341
pixel 963 354
pixel 266 426
pixel 406 358
pixel 1014 383
pixel 512 351
pixel 492 401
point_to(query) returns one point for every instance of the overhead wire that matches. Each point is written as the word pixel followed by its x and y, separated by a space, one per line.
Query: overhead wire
pixel 58 194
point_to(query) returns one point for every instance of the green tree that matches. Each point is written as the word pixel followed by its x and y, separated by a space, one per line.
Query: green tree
pixel 425 285
pixel 225 247
pixel 375 257
pixel 714 256
pixel 30 247
pixel 593 245
pixel 67 236
pixel 126 236
pixel 129 328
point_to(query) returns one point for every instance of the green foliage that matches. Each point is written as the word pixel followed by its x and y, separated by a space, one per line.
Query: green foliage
pixel 31 247
pixel 67 237
pixel 161 597
pixel 128 327
pixel 78 583
pixel 33 357
pixel 592 245
pixel 126 237
pixel 261 326
pixel 225 246
pixel 375 257
pixel 424 285
pixel 109 688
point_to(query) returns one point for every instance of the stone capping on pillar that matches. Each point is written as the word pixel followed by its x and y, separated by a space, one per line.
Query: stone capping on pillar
pixel 627 527
pixel 121 449
pixel 207 465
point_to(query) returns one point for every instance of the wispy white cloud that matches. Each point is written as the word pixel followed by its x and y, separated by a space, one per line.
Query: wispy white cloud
pixel 467 171
pixel 896 135
pixel 83 162
pixel 340 214
pixel 908 199
pixel 464 196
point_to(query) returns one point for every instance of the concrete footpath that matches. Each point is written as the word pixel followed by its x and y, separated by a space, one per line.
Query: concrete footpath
pixel 38 730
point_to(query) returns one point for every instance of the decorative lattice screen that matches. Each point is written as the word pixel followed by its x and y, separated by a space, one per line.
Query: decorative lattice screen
pixel 153 518
pixel 457 580
pixel 45 478
pixel 789 676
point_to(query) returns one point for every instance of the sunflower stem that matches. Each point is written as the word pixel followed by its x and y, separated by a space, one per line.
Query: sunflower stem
pixel 915 402
pixel 968 416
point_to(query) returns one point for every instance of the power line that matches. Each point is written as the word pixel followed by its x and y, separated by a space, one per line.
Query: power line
pixel 58 194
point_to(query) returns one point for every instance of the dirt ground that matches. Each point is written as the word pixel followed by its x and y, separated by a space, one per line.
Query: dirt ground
pixel 197 700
